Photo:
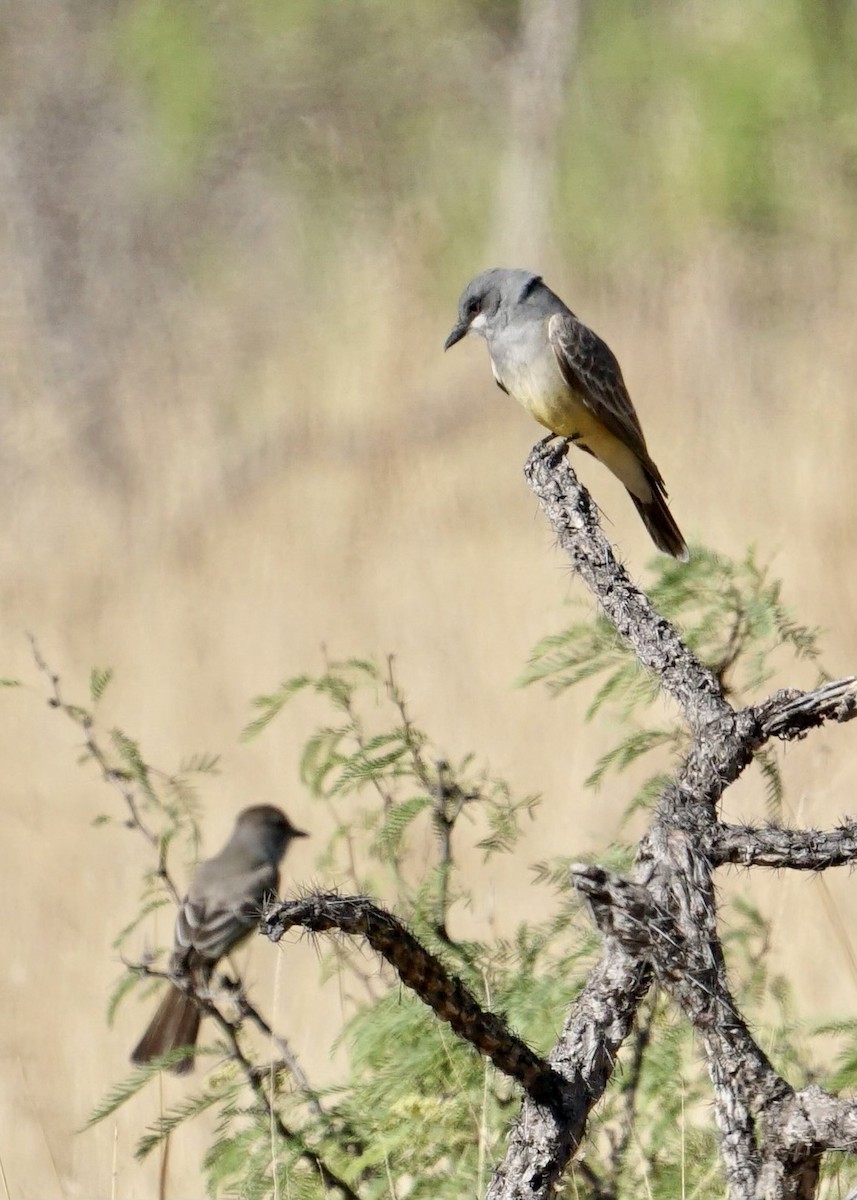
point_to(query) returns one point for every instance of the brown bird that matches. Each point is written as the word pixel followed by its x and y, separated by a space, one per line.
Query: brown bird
pixel 222 906
pixel 569 380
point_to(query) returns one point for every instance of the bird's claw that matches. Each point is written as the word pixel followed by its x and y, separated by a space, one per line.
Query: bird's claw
pixel 554 454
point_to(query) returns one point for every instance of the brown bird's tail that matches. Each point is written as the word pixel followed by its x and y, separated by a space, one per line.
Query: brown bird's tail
pixel 660 523
pixel 176 1023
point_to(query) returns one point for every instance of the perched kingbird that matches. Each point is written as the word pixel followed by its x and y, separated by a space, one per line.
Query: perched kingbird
pixel 222 905
pixel 569 380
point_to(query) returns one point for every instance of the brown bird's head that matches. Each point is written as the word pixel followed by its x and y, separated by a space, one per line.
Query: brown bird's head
pixel 265 828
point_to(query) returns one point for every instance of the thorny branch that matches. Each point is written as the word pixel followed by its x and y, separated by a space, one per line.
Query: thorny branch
pixel 655 641
pixel 789 714
pixel 424 974
pixel 663 921
pixel 774 846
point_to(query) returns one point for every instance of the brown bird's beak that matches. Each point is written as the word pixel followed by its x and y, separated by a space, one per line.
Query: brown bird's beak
pixel 457 334
pixel 299 833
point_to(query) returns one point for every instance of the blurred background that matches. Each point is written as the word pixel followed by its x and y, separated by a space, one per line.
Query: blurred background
pixel 232 241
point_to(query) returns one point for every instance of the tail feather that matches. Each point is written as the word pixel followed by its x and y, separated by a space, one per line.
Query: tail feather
pixel 660 523
pixel 175 1024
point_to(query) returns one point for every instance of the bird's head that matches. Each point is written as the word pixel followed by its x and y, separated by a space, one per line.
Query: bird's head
pixel 266 830
pixel 488 299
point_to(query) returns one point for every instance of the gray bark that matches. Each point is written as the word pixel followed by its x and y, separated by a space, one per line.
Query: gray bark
pixel 664 920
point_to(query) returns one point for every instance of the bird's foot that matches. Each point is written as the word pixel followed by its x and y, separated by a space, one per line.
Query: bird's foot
pixel 554 448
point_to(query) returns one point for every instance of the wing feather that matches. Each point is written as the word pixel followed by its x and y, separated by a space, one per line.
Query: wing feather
pixel 213 919
pixel 589 366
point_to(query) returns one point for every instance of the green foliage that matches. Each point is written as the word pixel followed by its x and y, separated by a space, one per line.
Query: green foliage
pixel 707 116
pixel 166 50
pixel 845 1072
pixel 424 1119
pixel 731 615
pixel 396 785
pixel 125 983
pixel 98 683
pixel 178 1114
pixel 249 1155
pixel 675 120
pixel 122 1092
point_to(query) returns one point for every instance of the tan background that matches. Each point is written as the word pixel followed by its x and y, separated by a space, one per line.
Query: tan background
pixel 229 437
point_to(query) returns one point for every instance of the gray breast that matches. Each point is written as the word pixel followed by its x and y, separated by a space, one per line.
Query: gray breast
pixel 524 362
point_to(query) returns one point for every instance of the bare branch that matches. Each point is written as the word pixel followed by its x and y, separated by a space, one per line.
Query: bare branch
pixel 623 910
pixel 789 714
pixel 779 848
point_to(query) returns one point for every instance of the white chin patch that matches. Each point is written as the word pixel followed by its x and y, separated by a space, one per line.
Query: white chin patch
pixel 478 323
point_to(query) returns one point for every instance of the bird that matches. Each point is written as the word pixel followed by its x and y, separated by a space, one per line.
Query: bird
pixel 222 906
pixel 569 380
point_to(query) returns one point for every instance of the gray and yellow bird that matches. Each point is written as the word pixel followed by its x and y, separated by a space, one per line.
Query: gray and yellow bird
pixel 569 380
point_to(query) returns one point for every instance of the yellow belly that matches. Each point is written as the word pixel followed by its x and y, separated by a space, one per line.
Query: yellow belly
pixel 551 402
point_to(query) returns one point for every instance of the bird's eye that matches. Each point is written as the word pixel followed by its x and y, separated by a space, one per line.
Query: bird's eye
pixel 472 307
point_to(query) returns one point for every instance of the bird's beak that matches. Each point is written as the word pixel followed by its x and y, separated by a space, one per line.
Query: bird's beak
pixel 457 334
pixel 299 833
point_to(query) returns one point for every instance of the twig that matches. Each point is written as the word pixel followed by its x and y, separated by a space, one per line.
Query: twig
pixel 256 1074
pixel 629 1092
pixel 449 802
pixel 288 1057
pixel 328 1177
pixel 418 763
pixel 119 780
